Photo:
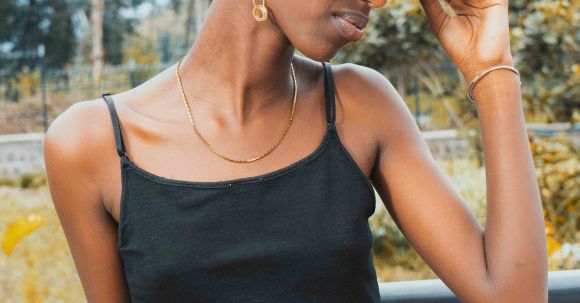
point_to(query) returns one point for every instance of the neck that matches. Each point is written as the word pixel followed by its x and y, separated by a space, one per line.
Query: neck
pixel 247 61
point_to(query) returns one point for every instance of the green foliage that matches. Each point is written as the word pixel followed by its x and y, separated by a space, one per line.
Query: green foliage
pixel 26 24
pixel 26 181
pixel 546 47
pixel 27 83
pixel 557 165
pixel 8 182
pixel 117 28
pixel 32 180
pixel 141 50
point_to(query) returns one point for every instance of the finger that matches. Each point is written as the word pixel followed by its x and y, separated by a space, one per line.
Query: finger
pixel 434 12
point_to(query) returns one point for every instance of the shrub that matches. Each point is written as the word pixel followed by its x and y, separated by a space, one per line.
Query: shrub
pixel 32 180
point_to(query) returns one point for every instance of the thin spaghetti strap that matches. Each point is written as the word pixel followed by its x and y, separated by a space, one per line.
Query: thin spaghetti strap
pixel 118 136
pixel 329 94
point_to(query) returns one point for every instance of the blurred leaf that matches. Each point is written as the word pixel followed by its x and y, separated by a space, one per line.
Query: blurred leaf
pixel 18 229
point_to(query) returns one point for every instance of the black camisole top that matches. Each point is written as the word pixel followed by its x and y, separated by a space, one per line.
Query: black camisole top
pixel 296 234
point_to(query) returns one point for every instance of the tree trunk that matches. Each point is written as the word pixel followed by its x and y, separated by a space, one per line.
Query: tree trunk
pixel 97 54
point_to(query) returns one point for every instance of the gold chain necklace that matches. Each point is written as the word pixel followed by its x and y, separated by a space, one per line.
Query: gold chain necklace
pixel 188 109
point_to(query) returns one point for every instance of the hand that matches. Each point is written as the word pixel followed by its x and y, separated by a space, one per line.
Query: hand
pixel 477 37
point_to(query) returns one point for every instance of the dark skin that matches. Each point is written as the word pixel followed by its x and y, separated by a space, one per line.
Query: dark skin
pixel 237 79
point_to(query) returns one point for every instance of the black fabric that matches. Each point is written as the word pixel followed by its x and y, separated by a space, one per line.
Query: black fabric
pixel 296 234
pixel 329 94
pixel 118 137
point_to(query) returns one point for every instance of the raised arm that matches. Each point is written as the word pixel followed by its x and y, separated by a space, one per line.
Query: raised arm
pixel 507 260
pixel 72 153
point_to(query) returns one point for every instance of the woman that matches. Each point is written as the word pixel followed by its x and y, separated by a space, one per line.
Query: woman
pixel 246 170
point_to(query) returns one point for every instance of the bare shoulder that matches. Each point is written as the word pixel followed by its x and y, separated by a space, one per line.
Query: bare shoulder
pixel 364 85
pixel 370 97
pixel 359 75
pixel 79 138
pixel 78 130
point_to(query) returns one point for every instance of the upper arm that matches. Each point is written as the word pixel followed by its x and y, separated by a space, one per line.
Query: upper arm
pixel 70 152
pixel 422 201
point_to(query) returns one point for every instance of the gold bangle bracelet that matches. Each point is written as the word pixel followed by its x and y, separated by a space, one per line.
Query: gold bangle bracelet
pixel 485 72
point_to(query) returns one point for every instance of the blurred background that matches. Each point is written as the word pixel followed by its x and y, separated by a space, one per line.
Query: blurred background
pixel 54 53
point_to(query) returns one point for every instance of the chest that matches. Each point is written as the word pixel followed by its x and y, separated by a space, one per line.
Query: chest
pixel 305 224
pixel 359 149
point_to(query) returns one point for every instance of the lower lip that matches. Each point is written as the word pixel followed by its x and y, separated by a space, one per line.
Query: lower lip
pixel 348 30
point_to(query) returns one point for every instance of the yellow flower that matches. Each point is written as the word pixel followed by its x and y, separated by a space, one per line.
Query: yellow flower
pixel 18 229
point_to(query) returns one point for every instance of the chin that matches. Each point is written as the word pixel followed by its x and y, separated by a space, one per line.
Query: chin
pixel 320 52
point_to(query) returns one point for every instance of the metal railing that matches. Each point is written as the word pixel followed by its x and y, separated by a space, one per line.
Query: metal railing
pixel 563 287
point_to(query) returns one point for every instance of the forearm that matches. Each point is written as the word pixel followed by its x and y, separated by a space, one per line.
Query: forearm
pixel 515 244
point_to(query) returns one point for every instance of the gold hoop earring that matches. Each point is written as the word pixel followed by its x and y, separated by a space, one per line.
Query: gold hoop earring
pixel 260 11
